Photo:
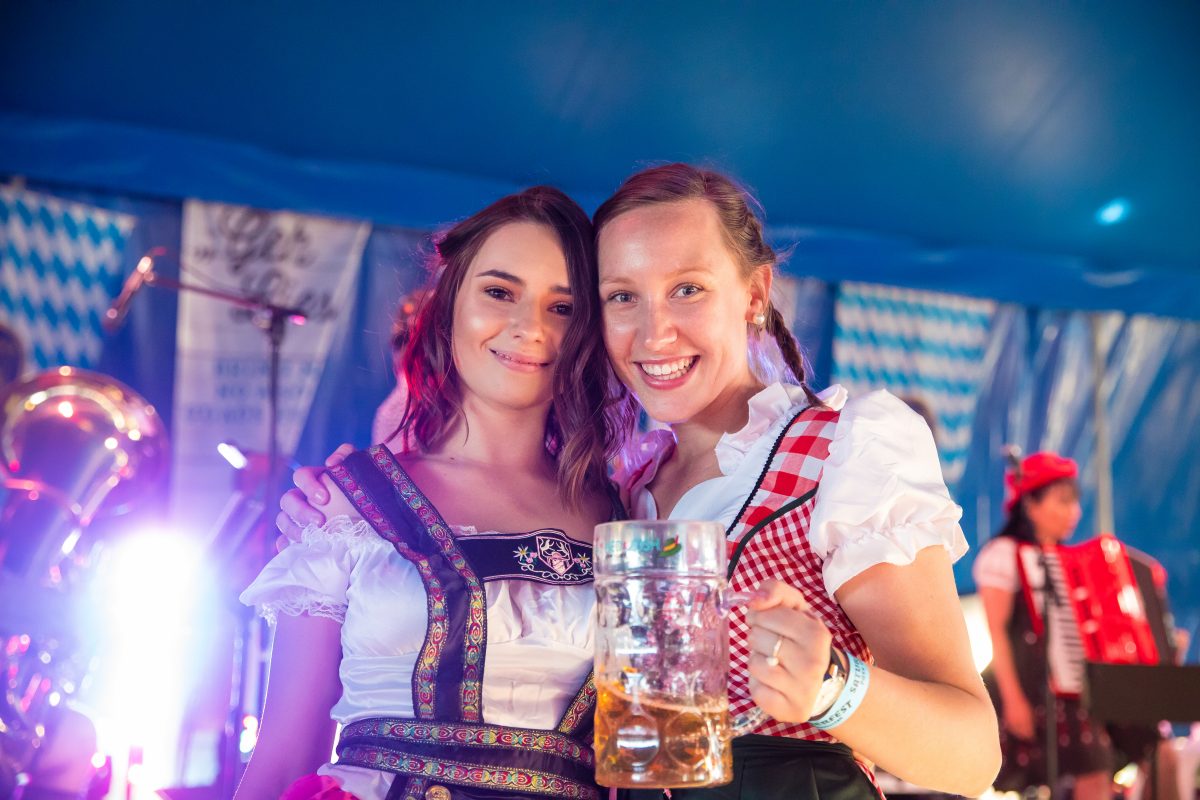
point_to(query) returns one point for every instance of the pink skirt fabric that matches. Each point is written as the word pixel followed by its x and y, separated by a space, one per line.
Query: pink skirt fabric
pixel 316 787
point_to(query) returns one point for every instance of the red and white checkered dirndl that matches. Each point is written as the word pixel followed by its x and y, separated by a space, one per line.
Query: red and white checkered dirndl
pixel 781 550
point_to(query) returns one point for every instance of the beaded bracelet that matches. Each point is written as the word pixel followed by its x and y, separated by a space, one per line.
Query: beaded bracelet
pixel 849 699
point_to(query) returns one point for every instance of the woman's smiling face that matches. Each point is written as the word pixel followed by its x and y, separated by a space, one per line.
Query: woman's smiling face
pixel 510 315
pixel 676 306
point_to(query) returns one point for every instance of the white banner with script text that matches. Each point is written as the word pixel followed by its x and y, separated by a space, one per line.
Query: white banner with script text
pixel 222 363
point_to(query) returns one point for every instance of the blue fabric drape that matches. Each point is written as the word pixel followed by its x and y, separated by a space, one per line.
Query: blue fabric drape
pixel 358 375
pixel 125 159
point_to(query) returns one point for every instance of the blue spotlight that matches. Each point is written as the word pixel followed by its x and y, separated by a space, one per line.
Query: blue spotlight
pixel 1113 211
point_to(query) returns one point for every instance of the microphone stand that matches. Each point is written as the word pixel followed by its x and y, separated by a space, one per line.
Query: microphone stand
pixel 273 319
pixel 1049 596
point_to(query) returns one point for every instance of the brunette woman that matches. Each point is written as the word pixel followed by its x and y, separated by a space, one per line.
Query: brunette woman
pixel 442 614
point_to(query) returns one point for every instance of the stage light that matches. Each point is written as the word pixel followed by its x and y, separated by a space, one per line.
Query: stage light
pixel 992 794
pixel 1113 211
pixel 66 409
pixel 249 734
pixel 233 454
pixel 68 545
pixel 1127 776
pixel 977 630
pixel 149 615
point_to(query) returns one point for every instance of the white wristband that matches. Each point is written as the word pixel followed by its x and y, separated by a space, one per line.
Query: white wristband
pixel 849 699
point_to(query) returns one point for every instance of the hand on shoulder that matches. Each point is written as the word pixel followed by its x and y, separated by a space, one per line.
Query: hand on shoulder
pixel 314 501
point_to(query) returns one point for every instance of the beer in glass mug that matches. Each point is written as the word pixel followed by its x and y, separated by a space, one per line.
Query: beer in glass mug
pixel 662 655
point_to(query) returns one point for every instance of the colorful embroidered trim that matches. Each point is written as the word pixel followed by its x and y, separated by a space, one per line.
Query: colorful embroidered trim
pixel 581 708
pixel 475 635
pixel 464 774
pixel 494 736
pixel 415 788
pixel 425 669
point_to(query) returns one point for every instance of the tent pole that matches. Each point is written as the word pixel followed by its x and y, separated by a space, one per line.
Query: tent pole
pixel 1103 453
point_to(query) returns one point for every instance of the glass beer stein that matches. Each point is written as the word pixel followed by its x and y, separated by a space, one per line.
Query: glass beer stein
pixel 662 655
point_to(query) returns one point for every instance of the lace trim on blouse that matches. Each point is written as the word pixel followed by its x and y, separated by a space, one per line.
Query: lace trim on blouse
pixel 338 529
pixel 294 601
pixel 298 601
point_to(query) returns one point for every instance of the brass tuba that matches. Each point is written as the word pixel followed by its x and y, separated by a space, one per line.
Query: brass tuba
pixel 74 445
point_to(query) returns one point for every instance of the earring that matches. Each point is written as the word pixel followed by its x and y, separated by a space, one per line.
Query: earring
pixel 760 320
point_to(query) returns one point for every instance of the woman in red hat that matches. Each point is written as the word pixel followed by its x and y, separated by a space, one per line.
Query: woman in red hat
pixel 1043 509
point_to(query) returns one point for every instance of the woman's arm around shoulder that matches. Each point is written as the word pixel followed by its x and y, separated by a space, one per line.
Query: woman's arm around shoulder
pixel 338 504
pixel 296 734
pixel 307 503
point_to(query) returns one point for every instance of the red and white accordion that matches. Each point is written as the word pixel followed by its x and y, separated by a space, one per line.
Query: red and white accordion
pixel 1109 604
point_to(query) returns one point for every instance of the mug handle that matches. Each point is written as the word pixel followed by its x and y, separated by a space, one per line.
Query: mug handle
pixel 750 720
pixel 730 600
pixel 747 723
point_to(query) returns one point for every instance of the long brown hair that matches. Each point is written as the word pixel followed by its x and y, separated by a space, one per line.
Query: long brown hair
pixel 741 227
pixel 580 436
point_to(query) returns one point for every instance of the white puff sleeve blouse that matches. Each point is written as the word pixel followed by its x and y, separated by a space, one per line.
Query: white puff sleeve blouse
pixel 881 497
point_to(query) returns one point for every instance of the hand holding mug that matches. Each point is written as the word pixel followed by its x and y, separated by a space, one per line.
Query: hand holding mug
pixel 790 651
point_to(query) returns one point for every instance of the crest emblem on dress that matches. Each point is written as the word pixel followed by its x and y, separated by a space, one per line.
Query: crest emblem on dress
pixel 553 559
pixel 555 554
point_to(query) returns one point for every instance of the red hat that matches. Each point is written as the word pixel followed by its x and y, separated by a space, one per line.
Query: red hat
pixel 1036 471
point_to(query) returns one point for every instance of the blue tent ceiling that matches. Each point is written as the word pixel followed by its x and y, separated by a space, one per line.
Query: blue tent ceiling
pixel 990 124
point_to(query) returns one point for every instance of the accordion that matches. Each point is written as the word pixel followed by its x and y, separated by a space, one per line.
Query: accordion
pixel 1114 599
pixel 1110 603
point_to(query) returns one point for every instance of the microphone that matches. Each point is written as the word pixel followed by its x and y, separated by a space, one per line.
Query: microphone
pixel 115 314
pixel 1012 454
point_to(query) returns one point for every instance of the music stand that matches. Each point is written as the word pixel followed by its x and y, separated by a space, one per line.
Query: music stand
pixel 1143 695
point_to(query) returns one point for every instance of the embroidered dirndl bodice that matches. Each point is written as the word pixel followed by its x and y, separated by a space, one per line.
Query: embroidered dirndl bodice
pixel 769 539
pixel 446 747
